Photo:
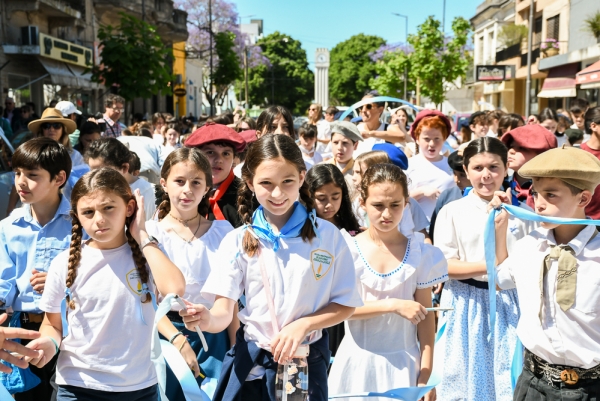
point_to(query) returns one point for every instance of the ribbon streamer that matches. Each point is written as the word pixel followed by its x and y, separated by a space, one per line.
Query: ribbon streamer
pixel 376 99
pixel 412 393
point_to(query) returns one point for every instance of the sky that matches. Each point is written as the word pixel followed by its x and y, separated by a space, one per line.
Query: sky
pixel 325 23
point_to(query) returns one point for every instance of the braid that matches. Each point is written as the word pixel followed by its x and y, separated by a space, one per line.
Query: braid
pixel 165 206
pixel 204 205
pixel 140 261
pixel 74 255
pixel 308 232
pixel 249 242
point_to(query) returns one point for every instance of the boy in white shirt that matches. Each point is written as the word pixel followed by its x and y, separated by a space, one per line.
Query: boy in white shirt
pixel 307 135
pixel 555 272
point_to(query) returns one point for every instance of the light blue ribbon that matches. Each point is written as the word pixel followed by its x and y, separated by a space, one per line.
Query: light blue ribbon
pixel 376 99
pixel 162 350
pixel 411 393
pixel 63 313
pixel 292 228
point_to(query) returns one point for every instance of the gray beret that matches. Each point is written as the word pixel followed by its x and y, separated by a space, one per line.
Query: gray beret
pixel 347 129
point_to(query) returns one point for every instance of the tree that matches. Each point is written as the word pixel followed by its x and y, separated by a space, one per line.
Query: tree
pixel 228 70
pixel 352 68
pixel 438 61
pixel 286 79
pixel 135 62
pixel 391 62
pixel 224 18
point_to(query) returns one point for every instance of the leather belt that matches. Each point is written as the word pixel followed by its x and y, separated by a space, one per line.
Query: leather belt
pixel 27 317
pixel 558 373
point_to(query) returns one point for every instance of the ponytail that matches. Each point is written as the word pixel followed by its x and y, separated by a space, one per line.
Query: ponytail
pixel 138 258
pixel 74 255
pixel 245 206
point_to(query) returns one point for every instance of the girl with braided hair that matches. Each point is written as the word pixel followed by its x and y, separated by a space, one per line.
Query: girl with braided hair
pixel 107 281
pixel 191 242
pixel 294 268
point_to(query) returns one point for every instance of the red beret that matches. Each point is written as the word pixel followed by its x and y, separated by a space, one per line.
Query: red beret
pixel 249 136
pixel 531 136
pixel 430 113
pixel 211 132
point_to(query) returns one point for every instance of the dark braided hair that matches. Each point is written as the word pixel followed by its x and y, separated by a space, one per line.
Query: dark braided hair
pixel 268 147
pixel 198 159
pixel 104 180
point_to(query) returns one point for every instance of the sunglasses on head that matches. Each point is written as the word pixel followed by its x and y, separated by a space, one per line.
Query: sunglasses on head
pixel 53 125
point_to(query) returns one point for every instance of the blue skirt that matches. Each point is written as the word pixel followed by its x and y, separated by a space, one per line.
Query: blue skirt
pixel 475 368
pixel 209 362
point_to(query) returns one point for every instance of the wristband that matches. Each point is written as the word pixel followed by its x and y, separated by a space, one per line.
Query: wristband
pixel 174 336
pixel 55 344
pixel 182 344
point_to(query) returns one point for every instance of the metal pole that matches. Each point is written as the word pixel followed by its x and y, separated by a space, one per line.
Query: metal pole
pixel 210 33
pixel 529 45
pixel 246 74
pixel 272 84
pixel 406 66
pixel 444 19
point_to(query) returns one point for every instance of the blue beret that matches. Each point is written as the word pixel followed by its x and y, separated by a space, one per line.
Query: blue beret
pixel 395 154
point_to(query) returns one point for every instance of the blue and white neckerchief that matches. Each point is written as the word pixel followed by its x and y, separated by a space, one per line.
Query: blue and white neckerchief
pixel 513 199
pixel 261 227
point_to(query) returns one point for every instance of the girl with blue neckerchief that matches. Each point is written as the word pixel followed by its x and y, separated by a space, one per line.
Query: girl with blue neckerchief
pixel 296 272
pixel 106 350
pixel 476 367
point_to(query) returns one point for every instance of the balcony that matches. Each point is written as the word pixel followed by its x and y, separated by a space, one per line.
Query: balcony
pixel 508 53
pixel 535 54
pixel 53 9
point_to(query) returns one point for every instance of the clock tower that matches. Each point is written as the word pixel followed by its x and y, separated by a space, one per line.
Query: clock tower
pixel 322 77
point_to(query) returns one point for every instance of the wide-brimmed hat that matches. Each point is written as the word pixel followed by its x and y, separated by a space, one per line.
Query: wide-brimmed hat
pixel 52 115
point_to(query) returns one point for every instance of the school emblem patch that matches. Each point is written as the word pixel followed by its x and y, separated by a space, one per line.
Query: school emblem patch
pixel 134 282
pixel 321 262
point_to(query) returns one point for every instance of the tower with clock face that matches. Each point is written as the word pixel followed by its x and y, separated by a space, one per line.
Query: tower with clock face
pixel 322 77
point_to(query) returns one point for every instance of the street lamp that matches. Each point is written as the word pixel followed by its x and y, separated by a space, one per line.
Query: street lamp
pixel 405 43
pixel 245 62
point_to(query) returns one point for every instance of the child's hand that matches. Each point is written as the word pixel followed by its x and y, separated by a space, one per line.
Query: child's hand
pixel 499 198
pixel 285 344
pixel 196 315
pixel 6 346
pixel 38 280
pixel 410 310
pixel 189 356
pixel 139 221
pixel 431 192
pixel 46 351
pixel 430 396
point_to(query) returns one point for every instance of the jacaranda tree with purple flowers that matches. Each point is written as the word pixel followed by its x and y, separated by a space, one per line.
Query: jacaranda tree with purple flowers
pixel 390 63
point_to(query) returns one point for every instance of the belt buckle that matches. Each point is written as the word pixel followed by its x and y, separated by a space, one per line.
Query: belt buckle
pixel 569 376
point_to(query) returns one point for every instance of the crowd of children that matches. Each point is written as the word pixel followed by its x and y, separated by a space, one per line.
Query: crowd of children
pixel 272 248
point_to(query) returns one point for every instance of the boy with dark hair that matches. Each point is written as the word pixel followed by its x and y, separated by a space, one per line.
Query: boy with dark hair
pixel 578 109
pixel 555 272
pixel 592 130
pixel 31 237
pixel 220 144
pixel 307 138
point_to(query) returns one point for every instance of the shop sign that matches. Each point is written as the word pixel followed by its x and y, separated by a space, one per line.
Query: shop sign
pixel 487 73
pixel 67 52
pixel 179 92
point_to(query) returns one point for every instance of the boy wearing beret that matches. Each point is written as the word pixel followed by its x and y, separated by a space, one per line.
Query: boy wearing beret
pixel 524 143
pixel 344 140
pixel 220 144
pixel 555 271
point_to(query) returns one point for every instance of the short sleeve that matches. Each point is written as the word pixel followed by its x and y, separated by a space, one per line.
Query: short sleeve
pixel 344 290
pixel 54 289
pixel 445 234
pixel 227 280
pixel 504 274
pixel 419 218
pixel 433 268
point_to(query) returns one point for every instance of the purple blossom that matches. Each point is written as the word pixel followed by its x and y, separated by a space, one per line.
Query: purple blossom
pixel 390 48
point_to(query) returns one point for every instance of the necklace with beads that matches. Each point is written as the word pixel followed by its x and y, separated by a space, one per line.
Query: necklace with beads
pixel 184 222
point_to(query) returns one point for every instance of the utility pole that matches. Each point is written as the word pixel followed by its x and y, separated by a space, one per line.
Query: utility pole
pixel 246 75
pixel 529 45
pixel 444 19
pixel 210 33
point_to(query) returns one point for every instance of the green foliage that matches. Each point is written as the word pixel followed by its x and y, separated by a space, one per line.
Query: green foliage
pixel 134 59
pixel 592 24
pixel 288 81
pixel 228 69
pixel 512 34
pixel 437 64
pixel 390 74
pixel 351 68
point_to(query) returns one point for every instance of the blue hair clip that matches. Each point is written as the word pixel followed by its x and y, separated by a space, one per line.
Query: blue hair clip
pixel 63 312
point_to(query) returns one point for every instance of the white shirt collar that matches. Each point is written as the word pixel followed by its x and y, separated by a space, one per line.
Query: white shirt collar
pixel 577 243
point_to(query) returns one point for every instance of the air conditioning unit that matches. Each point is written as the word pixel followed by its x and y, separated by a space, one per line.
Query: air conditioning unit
pixel 30 35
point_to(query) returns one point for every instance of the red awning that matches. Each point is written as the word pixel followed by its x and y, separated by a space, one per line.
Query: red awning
pixel 589 75
pixel 560 82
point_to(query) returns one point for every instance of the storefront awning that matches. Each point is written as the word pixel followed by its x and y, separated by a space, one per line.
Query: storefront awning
pixel 589 75
pixel 560 82
pixel 67 75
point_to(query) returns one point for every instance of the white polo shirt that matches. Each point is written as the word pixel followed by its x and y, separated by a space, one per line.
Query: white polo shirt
pixel 569 338
pixel 108 345
pixel 304 278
